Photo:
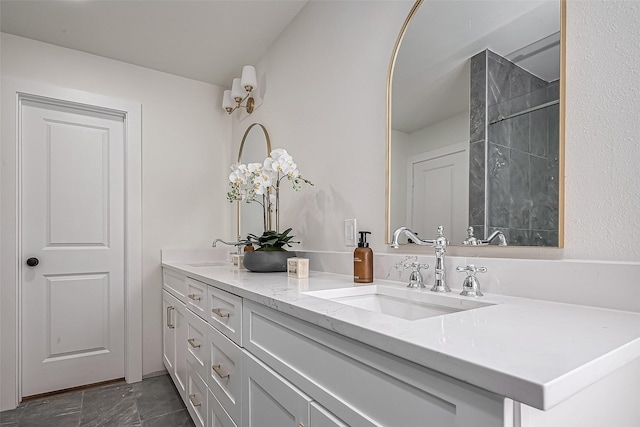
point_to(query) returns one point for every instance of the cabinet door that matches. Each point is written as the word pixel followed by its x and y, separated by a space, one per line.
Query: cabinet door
pixel 217 416
pixel 180 322
pixel 197 343
pixel 169 331
pixel 174 338
pixel 320 417
pixel 197 396
pixel 225 373
pixel 269 400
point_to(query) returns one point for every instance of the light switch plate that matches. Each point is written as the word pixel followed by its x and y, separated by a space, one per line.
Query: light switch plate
pixel 350 232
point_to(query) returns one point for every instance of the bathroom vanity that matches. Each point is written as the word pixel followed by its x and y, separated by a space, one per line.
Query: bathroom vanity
pixel 264 350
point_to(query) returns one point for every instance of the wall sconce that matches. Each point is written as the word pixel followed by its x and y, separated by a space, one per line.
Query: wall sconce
pixel 241 91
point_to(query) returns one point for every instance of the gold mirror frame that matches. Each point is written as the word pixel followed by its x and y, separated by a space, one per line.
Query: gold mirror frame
pixel 561 156
pixel 238 203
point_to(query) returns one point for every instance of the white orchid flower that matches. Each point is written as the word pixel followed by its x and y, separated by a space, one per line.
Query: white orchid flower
pixel 261 184
pixel 237 177
pixel 278 152
pixel 254 167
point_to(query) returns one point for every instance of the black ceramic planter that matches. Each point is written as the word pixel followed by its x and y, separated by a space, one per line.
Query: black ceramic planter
pixel 267 261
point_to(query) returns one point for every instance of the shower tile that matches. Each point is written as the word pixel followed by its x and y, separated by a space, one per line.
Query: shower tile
pixel 521 203
pixel 476 183
pixel 519 103
pixel 519 133
pixel 498 186
pixel 539 238
pixel 477 98
pixel 518 237
pixel 476 119
pixel 540 194
pixel 553 131
pixel 538 132
pixel 519 82
pixel 538 97
pixel 553 90
pixel 498 81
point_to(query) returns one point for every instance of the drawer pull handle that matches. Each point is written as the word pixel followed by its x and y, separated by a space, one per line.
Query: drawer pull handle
pixel 219 313
pixel 194 297
pixel 170 325
pixel 218 371
pixel 194 401
pixel 192 343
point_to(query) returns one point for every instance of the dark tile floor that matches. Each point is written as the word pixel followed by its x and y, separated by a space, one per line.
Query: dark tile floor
pixel 154 402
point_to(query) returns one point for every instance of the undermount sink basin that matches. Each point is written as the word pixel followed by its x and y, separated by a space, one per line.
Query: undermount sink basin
pixel 208 264
pixel 405 303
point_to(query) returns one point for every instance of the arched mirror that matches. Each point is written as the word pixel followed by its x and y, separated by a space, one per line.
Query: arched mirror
pixel 254 148
pixel 475 121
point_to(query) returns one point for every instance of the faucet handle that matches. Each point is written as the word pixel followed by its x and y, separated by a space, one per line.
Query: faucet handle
pixel 471 285
pixel 415 279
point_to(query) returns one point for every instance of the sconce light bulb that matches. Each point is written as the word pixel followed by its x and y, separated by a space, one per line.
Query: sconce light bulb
pixel 227 102
pixel 237 92
pixel 249 79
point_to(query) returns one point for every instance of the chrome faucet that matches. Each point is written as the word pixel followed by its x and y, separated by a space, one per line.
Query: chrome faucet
pixel 237 244
pixel 472 241
pixel 440 245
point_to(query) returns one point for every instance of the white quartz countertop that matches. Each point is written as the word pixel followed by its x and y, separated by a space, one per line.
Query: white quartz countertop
pixel 535 352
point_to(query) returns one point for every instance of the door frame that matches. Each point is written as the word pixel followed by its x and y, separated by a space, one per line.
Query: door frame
pixel 14 93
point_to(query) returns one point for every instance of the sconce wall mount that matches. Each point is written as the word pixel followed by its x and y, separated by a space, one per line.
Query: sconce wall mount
pixel 241 93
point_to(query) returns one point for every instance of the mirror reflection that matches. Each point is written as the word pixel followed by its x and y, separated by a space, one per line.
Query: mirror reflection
pixel 254 148
pixel 474 138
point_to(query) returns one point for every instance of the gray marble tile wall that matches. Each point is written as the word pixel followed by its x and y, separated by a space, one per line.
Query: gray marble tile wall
pixel 477 142
pixel 522 153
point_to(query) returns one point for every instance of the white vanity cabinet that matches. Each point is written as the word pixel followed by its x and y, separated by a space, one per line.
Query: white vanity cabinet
pixel 202 326
pixel 352 383
pixel 291 373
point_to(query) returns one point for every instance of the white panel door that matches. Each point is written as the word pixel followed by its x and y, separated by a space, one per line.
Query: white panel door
pixel 440 195
pixel 73 224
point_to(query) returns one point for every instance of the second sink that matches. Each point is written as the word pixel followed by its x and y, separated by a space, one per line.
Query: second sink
pixel 409 304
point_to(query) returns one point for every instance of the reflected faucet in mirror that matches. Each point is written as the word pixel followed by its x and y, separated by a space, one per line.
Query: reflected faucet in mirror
pixel 439 244
pixel 472 241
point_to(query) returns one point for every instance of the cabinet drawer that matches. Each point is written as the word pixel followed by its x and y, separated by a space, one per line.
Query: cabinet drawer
pixel 197 394
pixel 225 313
pixel 197 343
pixel 356 382
pixel 217 416
pixel 175 283
pixel 224 376
pixel 197 297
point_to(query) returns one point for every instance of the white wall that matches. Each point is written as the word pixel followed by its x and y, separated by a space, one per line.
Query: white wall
pixel 449 131
pixel 326 79
pixel 184 147
pixel 602 128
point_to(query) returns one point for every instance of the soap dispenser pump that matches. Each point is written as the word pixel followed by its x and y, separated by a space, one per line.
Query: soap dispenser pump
pixel 363 260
